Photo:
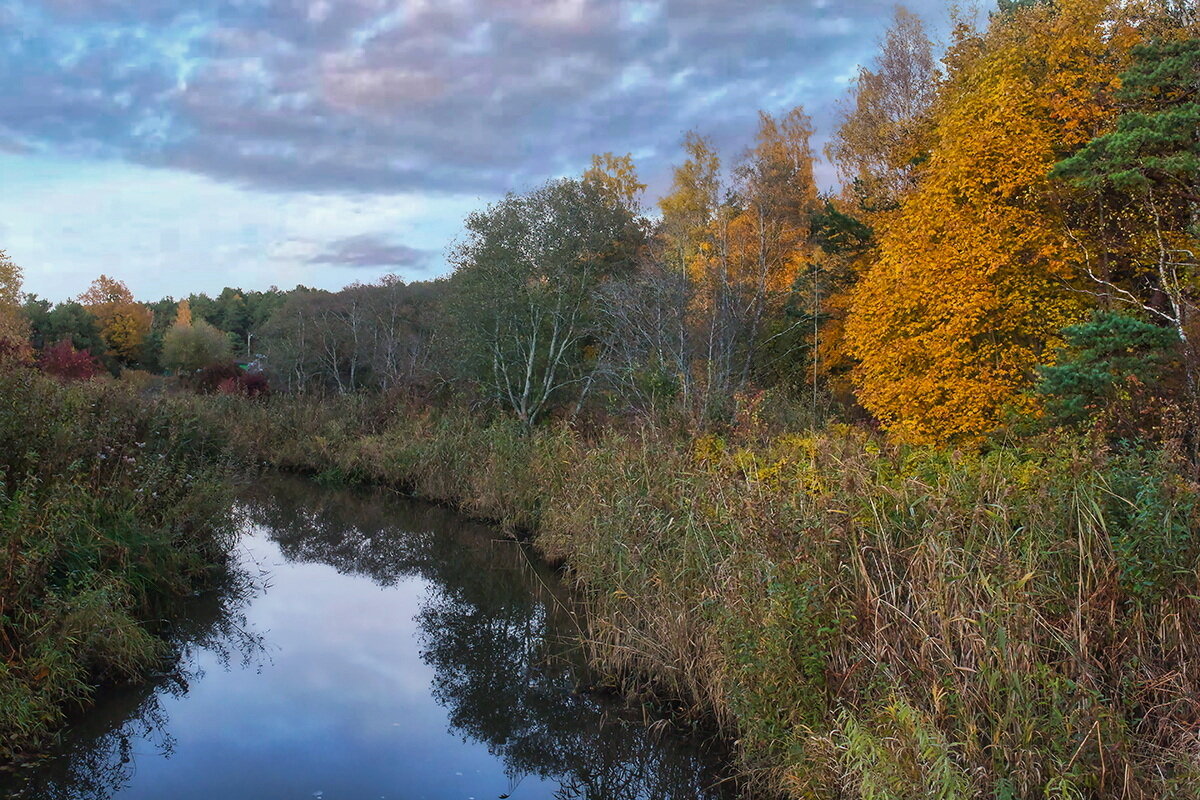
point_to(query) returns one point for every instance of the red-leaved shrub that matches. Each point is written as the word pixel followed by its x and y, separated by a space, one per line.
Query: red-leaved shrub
pixel 209 379
pixel 64 361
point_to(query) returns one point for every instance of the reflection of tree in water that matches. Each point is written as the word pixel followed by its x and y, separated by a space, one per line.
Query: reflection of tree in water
pixel 498 635
pixel 495 628
pixel 496 672
pixel 94 758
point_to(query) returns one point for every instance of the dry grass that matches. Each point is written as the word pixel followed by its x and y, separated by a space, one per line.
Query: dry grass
pixel 867 620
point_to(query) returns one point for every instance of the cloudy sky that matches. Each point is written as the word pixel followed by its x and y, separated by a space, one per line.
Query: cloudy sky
pixel 185 146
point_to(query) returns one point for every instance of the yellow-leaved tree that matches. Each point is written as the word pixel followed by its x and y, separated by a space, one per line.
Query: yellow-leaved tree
pixel 740 248
pixel 688 209
pixel 970 286
pixel 617 179
pixel 123 322
pixel 14 327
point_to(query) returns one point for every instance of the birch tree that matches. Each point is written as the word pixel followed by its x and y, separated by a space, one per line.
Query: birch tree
pixel 524 292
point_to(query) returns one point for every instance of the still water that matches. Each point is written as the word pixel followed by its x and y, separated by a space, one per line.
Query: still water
pixel 370 647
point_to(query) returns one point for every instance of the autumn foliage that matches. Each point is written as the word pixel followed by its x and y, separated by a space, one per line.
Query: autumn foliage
pixel 898 479
pixel 14 327
pixel 123 322
pixel 972 283
pixel 64 361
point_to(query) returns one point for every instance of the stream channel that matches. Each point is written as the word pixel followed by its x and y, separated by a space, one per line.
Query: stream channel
pixel 369 646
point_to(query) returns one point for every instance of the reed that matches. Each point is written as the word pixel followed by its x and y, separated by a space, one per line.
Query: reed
pixel 867 620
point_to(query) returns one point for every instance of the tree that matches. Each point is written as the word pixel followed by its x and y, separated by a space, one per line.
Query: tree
pixel 688 209
pixel 843 248
pixel 777 193
pixel 69 321
pixel 741 256
pixel 289 339
pixel 1146 174
pixel 183 313
pixel 123 322
pixel 646 350
pixel 188 348
pixel 883 137
pixel 969 292
pixel 238 312
pixel 1107 354
pixel 14 327
pixel 524 290
pixel 232 314
pixel 616 178
pixel 368 336
pixel 404 320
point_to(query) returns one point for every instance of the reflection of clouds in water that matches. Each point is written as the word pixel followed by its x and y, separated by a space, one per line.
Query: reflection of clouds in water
pixel 496 632
pixel 347 695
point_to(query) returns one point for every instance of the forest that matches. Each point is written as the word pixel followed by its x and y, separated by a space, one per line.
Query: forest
pixel 897 483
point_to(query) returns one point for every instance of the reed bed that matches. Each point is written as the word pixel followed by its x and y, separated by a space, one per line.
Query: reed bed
pixel 867 620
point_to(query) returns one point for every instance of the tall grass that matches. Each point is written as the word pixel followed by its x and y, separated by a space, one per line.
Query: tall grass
pixel 111 505
pixel 867 620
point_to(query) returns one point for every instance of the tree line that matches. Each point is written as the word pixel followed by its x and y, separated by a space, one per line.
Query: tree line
pixel 1014 239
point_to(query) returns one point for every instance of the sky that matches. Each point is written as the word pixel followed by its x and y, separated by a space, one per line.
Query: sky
pixel 187 145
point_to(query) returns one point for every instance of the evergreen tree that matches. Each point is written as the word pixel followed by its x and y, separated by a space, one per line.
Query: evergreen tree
pixel 1108 352
pixel 1156 144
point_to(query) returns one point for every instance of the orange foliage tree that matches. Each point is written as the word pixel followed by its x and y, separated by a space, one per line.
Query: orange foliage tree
pixel 183 314
pixel 123 322
pixel 970 286
pixel 14 327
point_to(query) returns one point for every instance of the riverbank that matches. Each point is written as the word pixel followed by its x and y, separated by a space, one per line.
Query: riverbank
pixel 111 507
pixel 866 619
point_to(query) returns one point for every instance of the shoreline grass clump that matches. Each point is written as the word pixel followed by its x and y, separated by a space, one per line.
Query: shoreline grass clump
pixel 112 505
pixel 866 619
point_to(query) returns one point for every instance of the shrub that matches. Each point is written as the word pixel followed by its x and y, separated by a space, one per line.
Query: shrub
pixel 245 384
pixel 188 348
pixel 64 361
pixel 209 379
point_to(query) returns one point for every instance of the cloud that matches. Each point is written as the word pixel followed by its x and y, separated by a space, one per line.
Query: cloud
pixel 369 250
pixel 380 96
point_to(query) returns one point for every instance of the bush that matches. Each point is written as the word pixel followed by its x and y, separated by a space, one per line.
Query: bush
pixel 209 379
pixel 64 361
pixel 245 384
pixel 188 348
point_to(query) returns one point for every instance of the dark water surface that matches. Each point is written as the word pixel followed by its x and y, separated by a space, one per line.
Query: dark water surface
pixel 370 647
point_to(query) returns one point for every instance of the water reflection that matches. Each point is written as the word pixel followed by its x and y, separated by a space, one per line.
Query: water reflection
pixel 353 700
pixel 94 760
pixel 497 629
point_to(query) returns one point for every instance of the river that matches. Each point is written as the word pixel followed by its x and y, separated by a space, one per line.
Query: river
pixel 370 646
